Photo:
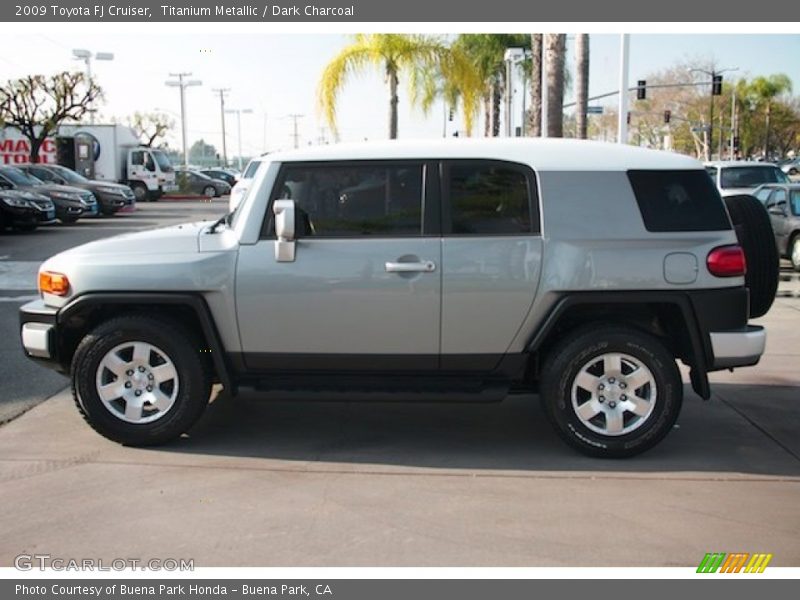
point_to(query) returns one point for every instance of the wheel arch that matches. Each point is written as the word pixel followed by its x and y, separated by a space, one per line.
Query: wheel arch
pixel 87 311
pixel 668 316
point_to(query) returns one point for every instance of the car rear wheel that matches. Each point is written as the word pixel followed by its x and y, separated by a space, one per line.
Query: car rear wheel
pixel 611 391
pixel 794 252
pixel 209 191
pixel 139 381
pixel 755 235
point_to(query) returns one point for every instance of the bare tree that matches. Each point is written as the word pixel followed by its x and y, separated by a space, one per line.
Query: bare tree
pixel 581 82
pixel 150 126
pixel 37 105
pixel 535 114
pixel 556 48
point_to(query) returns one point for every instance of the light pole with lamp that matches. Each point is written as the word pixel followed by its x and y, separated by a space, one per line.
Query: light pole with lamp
pixel 511 57
pixel 183 84
pixel 238 112
pixel 86 56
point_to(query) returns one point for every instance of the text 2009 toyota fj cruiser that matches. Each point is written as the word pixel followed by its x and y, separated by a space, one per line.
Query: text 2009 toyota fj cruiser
pixel 462 270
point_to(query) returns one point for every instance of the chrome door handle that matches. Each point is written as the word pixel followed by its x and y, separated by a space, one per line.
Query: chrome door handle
pixel 426 266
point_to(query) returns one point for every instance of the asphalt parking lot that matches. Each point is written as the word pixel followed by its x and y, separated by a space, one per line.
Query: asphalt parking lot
pixel 340 484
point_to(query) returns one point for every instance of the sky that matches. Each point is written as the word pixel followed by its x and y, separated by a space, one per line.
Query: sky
pixel 276 75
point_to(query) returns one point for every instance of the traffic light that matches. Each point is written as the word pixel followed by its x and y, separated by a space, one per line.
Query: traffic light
pixel 629 117
pixel 450 114
pixel 667 116
pixel 736 143
pixel 641 89
pixel 716 85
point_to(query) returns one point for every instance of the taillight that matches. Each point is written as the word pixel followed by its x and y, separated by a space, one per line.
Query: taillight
pixel 727 261
pixel 53 283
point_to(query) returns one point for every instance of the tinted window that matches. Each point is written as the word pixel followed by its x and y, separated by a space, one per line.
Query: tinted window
pixel 745 177
pixel 488 199
pixel 678 201
pixel 354 200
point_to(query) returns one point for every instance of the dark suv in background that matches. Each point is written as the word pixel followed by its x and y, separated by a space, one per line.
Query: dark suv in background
pixel 111 196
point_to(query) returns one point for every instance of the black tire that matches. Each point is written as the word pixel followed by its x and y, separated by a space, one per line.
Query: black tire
pixel 569 358
pixel 193 382
pixel 755 235
pixel 210 191
pixel 140 192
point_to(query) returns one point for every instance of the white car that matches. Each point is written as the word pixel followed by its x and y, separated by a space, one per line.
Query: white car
pixel 734 177
pixel 239 191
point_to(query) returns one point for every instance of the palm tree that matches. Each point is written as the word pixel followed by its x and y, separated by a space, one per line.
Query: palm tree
pixel 391 52
pixel 535 113
pixel 765 90
pixel 555 45
pixel 485 53
pixel 581 82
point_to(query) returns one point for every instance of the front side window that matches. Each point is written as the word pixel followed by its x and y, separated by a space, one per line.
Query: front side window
pixel 778 198
pixel 369 199
pixel 488 199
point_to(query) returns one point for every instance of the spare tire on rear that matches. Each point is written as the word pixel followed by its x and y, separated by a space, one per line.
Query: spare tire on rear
pixel 754 231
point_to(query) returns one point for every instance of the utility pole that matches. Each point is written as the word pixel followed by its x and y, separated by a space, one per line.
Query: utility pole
pixel 238 112
pixel 183 85
pixel 222 92
pixel 714 74
pixel 295 134
pixel 622 117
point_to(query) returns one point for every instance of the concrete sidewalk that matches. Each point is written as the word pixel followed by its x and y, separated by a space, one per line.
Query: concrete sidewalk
pixel 311 484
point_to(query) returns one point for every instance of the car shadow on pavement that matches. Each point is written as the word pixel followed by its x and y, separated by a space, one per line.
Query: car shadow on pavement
pixel 744 429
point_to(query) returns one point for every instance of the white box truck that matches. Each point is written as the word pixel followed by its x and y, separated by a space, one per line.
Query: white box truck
pixel 102 152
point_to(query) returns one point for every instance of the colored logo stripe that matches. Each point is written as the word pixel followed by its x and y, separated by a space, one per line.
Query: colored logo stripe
pixel 733 563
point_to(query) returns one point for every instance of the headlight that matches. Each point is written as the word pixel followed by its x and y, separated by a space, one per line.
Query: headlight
pixel 65 195
pixel 16 202
pixel 111 190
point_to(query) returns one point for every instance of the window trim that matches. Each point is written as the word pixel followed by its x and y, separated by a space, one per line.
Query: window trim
pixel 531 182
pixel 430 213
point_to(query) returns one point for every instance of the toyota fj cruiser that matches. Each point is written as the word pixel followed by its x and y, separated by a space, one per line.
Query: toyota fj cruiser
pixel 454 270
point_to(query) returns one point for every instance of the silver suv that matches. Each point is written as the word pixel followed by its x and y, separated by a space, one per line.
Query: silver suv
pixel 455 270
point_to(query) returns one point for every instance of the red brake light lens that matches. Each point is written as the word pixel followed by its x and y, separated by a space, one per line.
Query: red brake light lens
pixel 727 261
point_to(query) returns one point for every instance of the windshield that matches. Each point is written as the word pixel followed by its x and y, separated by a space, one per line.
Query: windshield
pixel 70 175
pixel 18 177
pixel 162 160
pixel 746 177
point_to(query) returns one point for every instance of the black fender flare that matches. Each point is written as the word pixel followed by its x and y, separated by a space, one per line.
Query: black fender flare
pixel 195 302
pixel 701 355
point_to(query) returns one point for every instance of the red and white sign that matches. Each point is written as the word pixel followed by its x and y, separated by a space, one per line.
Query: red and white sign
pixel 17 151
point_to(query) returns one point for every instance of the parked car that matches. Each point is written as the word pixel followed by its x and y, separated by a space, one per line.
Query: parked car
pixel 112 197
pixel 239 190
pixel 742 177
pixel 791 166
pixel 228 176
pixel 783 205
pixel 25 210
pixel 71 203
pixel 466 270
pixel 196 182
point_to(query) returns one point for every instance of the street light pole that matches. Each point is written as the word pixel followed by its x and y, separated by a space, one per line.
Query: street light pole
pixel 238 112
pixel 622 117
pixel 183 85
pixel 86 56
pixel 222 92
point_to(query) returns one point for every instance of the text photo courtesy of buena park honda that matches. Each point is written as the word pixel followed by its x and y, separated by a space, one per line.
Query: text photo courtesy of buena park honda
pixel 399 300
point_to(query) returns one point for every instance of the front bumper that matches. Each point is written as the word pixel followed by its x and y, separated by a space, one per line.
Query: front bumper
pixel 38 333
pixel 739 348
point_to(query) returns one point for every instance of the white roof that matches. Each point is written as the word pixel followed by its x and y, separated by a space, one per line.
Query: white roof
pixel 738 163
pixel 549 154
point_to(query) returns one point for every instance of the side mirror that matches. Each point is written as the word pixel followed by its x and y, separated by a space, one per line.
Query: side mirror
pixel 284 211
pixel 778 209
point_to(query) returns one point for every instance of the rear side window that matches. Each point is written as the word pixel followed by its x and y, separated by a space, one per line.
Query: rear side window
pixel 488 199
pixel 678 201
pixel 745 177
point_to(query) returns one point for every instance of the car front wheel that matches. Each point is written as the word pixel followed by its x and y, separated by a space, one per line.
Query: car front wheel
pixel 139 381
pixel 794 253
pixel 611 391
